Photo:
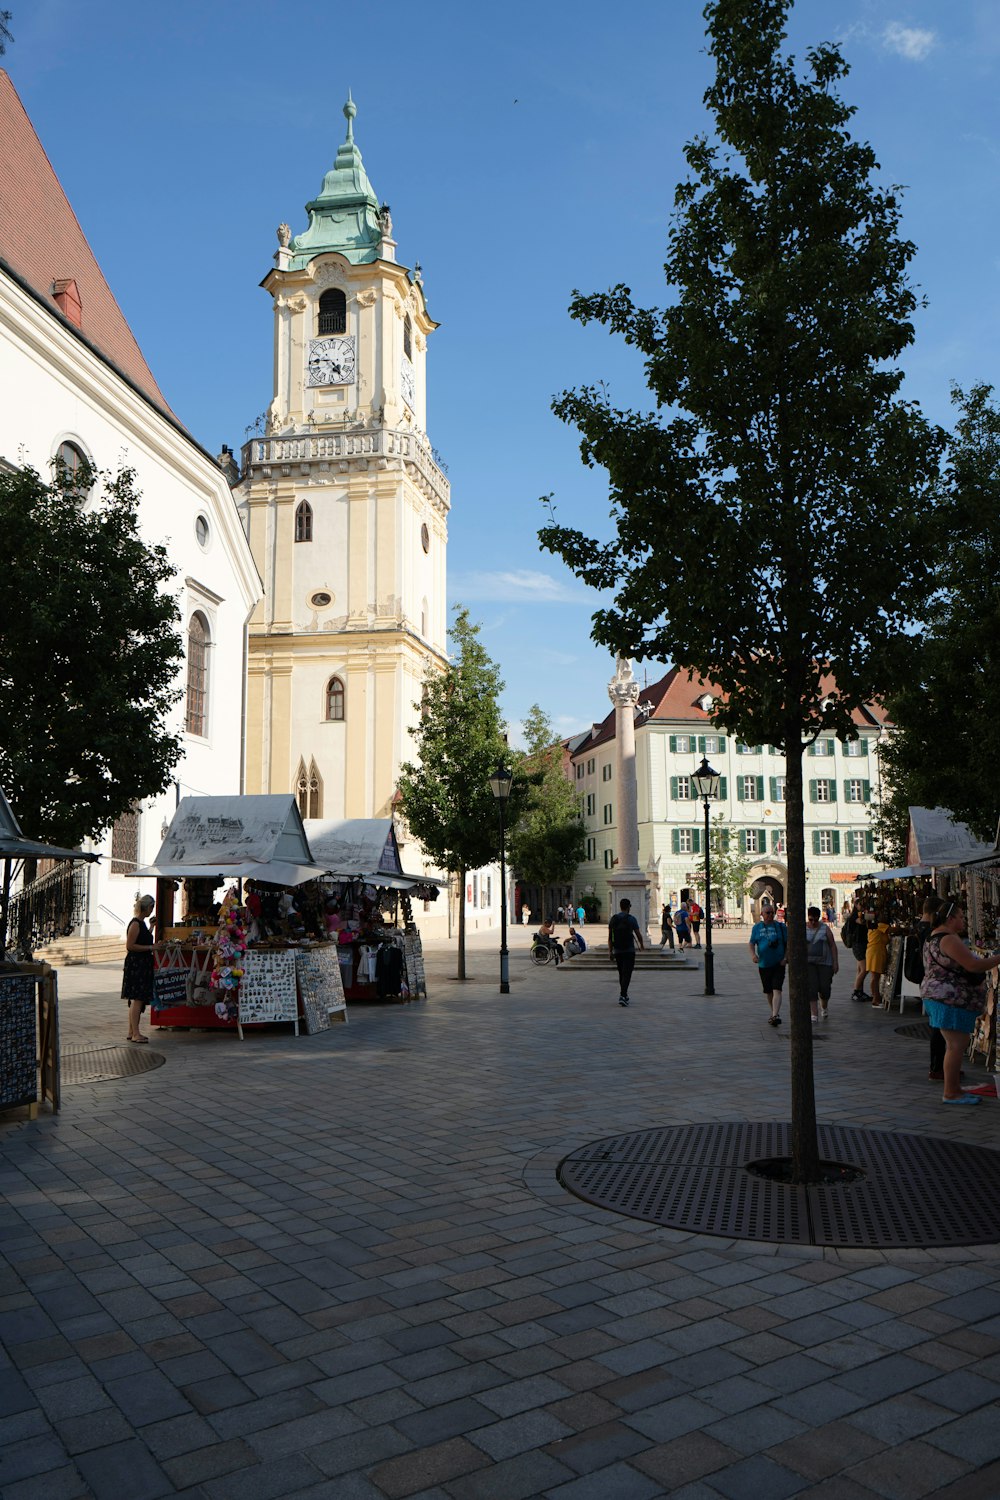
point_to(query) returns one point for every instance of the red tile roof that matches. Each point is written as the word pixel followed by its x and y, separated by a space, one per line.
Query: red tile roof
pixel 675 698
pixel 43 244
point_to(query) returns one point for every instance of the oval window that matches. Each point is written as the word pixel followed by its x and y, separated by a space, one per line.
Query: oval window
pixel 202 531
pixel 425 538
pixel 321 600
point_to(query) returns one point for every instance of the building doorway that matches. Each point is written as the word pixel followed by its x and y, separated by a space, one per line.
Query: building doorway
pixel 766 885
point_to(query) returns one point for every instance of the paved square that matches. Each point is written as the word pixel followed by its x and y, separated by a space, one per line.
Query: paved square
pixel 341 1266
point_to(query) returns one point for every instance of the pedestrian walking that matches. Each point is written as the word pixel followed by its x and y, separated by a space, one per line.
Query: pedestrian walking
pixel 822 962
pixel 856 929
pixel 682 926
pixel 137 971
pixel 666 928
pixel 954 994
pixel 768 945
pixel 581 916
pixel 695 915
pixel 623 934
pixel 525 915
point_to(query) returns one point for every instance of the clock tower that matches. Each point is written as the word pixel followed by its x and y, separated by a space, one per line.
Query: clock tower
pixel 346 507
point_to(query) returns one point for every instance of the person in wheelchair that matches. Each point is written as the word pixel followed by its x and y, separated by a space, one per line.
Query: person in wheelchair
pixel 546 935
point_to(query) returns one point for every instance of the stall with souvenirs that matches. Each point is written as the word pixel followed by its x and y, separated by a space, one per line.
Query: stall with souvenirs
pixel 369 907
pixel 241 935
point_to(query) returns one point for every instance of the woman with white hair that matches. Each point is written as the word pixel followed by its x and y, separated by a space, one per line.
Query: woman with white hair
pixel 137 976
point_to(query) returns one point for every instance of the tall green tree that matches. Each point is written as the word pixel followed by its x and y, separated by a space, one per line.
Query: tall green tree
pixel 446 796
pixel 730 870
pixel 547 843
pixel 943 749
pixel 767 509
pixel 89 653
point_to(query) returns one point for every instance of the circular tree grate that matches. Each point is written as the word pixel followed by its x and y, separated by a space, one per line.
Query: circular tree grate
pixel 916 1191
pixel 919 1031
pixel 101 1064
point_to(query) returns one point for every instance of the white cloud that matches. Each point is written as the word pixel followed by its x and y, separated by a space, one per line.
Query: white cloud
pixel 911 42
pixel 519 586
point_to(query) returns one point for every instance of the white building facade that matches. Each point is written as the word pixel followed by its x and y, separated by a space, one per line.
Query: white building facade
pixel 673 732
pixel 76 385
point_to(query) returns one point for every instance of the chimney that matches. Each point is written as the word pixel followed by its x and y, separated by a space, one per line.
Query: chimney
pixel 66 296
pixel 227 463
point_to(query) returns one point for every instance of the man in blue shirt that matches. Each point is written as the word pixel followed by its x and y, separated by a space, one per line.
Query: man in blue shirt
pixel 623 934
pixel 768 943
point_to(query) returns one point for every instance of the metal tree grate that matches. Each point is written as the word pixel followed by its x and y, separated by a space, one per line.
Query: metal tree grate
pixel 102 1064
pixel 918 1031
pixel 916 1191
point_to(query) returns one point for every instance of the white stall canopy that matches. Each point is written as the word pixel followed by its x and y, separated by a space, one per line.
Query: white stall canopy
pixel 362 850
pixel 936 838
pixel 255 838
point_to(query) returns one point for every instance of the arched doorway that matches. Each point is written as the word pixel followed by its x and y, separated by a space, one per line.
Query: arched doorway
pixel 767 879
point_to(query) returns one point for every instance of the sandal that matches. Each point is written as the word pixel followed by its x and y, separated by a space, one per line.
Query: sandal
pixel 137 1039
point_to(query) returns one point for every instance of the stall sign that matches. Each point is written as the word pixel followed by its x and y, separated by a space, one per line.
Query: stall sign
pixel 267 989
pixel 18 1045
pixel 170 987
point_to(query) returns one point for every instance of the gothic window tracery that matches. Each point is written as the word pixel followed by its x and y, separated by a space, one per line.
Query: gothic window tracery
pixel 309 790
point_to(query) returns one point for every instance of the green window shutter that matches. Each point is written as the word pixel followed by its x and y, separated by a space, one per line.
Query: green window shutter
pixel 724 789
pixel 701 744
pixel 866 791
pixel 673 743
pixel 864 747
pixel 811 749
pixel 773 784
pixel 696 841
pixel 760 788
pixel 869 843
pixel 743 841
pixel 847 789
pixel 762 841
pixel 722 742
pixel 836 841
pixel 815 840
pixel 739 788
pixel 675 840
pixel 833 789
pixel 812 798
pixel 673 788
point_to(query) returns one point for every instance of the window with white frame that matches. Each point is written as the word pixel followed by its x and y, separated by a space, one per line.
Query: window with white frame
pixel 684 792
pixel 750 789
pixel 824 840
pixel 857 841
pixel 685 841
pixel 752 840
pixel 779 789
pixel 780 841
pixel 854 749
pixel 683 743
pixel 711 744
pixel 855 791
pixel 823 747
pixel 822 791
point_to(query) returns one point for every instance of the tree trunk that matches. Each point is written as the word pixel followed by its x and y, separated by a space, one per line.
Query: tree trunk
pixel 805 1148
pixel 461 923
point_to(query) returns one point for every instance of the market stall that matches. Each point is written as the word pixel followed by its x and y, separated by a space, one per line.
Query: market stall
pixel 370 907
pixel 262 954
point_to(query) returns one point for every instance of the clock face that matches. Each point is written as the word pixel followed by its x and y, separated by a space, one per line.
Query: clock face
pixel 408 384
pixel 331 361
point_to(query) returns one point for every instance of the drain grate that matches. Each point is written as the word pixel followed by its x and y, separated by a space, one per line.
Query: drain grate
pixel 916 1191
pixel 919 1031
pixel 101 1064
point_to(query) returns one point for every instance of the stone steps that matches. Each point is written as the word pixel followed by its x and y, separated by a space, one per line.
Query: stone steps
pixel 66 951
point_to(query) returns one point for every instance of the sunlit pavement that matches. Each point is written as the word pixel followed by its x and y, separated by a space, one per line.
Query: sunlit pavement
pixel 341 1266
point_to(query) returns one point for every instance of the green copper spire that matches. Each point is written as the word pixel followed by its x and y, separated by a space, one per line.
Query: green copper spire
pixel 344 216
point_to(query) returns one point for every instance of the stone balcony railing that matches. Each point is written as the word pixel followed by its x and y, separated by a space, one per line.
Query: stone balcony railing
pixel 379 445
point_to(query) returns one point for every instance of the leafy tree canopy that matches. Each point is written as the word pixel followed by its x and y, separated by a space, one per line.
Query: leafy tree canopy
pixel 547 842
pixel 730 870
pixel 89 653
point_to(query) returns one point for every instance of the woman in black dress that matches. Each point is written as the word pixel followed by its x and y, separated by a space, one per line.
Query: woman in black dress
pixel 137 976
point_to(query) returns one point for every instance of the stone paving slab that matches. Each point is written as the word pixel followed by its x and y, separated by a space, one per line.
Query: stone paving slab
pixel 341 1266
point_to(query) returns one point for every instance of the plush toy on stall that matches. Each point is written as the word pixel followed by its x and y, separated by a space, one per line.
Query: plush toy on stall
pixel 230 946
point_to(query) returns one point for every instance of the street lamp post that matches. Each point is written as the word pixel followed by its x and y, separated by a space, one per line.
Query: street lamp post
pixel 706 784
pixel 500 783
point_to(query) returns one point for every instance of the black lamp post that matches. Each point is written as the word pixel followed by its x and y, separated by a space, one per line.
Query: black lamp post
pixel 706 784
pixel 500 783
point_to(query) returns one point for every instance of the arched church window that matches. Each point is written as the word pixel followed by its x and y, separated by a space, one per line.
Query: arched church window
pixel 309 790
pixel 196 703
pixel 304 522
pixel 408 337
pixel 335 700
pixel 333 311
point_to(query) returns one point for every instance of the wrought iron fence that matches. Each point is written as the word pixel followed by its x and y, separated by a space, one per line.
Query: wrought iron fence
pixel 50 907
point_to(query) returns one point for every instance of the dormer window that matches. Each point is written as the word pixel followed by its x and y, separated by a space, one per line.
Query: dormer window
pixel 705 703
pixel 333 312
pixel 408 337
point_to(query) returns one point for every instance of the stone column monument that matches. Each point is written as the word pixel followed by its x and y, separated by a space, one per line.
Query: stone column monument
pixel 628 879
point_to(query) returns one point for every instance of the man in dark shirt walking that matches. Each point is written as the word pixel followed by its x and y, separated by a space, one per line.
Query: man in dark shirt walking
pixel 623 934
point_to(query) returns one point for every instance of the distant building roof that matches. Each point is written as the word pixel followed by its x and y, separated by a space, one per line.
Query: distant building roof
pixel 42 243
pixel 677 699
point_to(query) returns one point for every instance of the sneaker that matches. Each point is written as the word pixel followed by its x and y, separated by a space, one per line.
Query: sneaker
pixel 964 1099
pixel 623 1000
pixel 824 1014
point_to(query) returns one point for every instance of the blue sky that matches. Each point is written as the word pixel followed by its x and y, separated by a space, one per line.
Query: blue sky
pixel 526 151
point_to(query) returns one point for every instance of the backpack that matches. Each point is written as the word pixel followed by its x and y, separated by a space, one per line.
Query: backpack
pixel 848 932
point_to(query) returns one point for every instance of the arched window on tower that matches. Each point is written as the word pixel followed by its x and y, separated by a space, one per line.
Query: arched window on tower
pixel 196 706
pixel 333 312
pixel 408 337
pixel 304 522
pixel 335 700
pixel 309 790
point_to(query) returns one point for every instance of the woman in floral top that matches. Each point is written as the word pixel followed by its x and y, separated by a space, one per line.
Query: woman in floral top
pixel 952 990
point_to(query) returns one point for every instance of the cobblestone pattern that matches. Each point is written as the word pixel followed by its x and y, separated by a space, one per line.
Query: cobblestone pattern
pixel 340 1266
